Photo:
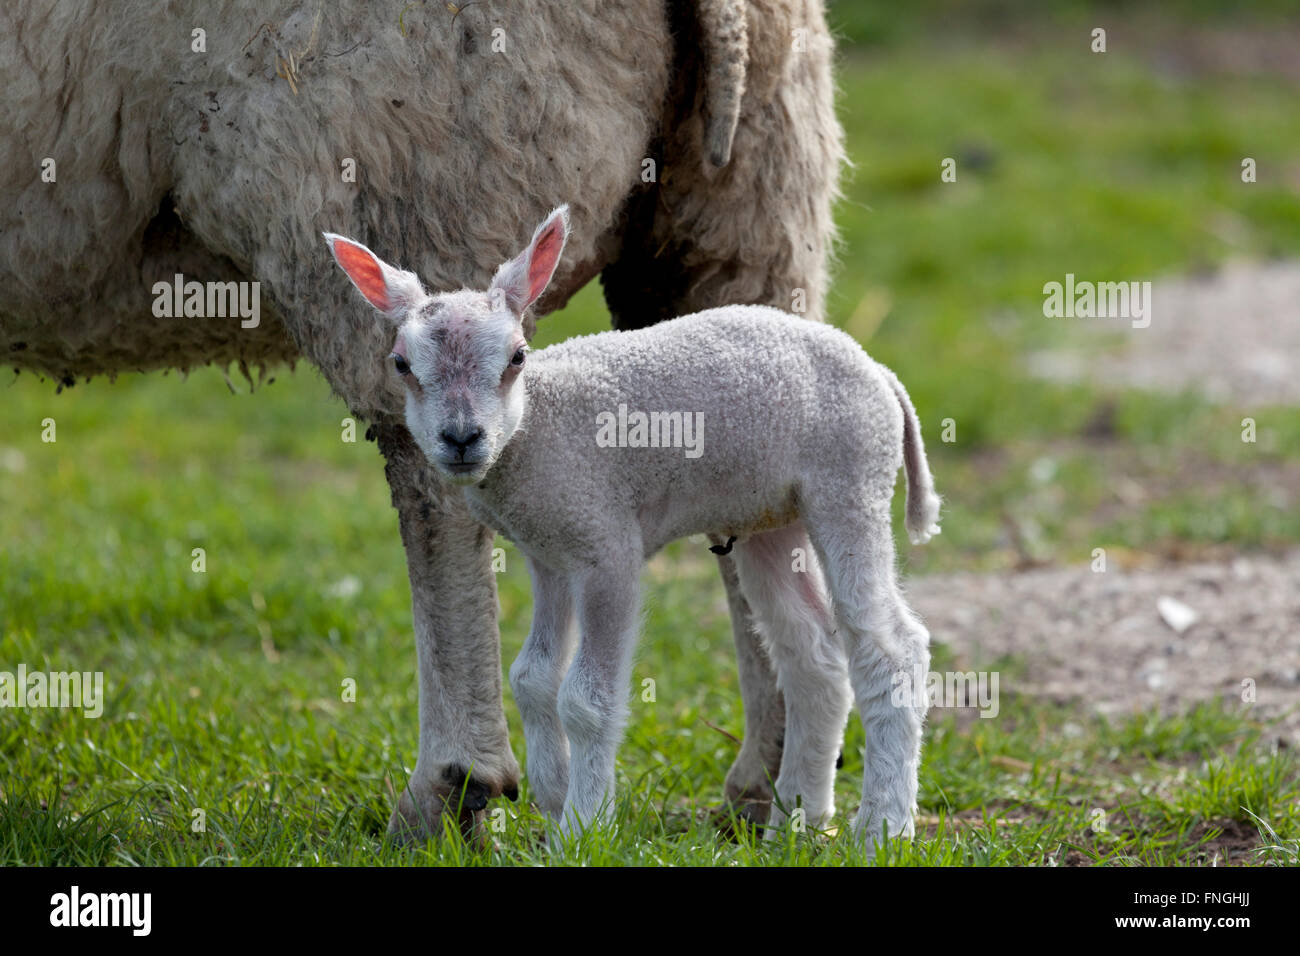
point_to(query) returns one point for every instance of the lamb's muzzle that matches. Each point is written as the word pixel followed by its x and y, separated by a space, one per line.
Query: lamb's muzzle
pixel 805 436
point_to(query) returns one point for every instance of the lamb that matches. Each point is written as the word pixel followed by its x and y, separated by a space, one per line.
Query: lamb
pixel 803 435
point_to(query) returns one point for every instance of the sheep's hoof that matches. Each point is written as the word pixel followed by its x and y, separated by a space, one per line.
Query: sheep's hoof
pixel 419 814
pixel 411 827
pixel 747 810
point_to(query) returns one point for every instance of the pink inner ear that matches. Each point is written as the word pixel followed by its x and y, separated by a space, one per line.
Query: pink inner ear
pixel 364 271
pixel 546 253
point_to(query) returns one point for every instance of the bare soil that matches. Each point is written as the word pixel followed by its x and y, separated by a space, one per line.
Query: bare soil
pixel 1233 335
pixel 1098 638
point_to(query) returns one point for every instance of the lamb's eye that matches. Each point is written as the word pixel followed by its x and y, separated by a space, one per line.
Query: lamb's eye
pixel 518 359
pixel 399 363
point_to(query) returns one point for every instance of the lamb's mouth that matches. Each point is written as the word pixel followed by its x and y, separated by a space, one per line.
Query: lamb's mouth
pixel 463 471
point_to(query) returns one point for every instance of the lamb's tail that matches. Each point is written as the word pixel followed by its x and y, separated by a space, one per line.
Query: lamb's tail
pixel 725 38
pixel 922 513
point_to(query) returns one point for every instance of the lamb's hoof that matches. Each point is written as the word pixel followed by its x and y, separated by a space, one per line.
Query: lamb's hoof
pixel 873 834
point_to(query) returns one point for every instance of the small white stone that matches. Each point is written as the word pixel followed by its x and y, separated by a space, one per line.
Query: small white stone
pixel 1176 614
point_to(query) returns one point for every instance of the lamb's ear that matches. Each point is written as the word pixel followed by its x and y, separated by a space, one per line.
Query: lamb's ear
pixel 389 290
pixel 525 277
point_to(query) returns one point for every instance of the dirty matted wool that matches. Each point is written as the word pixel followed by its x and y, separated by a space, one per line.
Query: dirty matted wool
pixel 222 156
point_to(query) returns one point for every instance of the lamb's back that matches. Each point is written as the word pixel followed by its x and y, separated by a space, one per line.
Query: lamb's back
pixel 779 406
pixel 750 360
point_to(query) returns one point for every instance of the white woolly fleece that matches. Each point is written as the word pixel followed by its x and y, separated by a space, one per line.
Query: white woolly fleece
pixel 791 410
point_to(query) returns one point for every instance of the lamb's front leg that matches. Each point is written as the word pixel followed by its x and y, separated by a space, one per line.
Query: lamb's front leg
pixel 593 698
pixel 535 678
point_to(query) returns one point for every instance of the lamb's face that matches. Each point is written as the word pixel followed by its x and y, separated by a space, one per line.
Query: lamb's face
pixel 459 354
pixel 460 360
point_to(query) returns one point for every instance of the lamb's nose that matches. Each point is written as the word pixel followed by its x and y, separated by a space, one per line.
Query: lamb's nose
pixel 463 440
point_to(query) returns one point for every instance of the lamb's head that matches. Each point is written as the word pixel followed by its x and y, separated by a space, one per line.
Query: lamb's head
pixel 460 354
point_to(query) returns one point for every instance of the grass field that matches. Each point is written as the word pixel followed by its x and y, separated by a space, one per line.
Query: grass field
pixel 224 688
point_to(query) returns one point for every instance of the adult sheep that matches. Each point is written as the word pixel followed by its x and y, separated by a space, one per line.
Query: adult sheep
pixel 142 140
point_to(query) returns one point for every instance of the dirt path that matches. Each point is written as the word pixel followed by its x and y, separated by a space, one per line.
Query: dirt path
pixel 1233 335
pixel 1100 638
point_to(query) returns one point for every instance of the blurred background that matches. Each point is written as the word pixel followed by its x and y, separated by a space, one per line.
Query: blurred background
pixel 1066 436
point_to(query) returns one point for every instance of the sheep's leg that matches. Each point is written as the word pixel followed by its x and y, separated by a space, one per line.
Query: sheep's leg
pixel 888 654
pixel 749 781
pixel 593 697
pixel 782 582
pixel 535 679
pixel 464 754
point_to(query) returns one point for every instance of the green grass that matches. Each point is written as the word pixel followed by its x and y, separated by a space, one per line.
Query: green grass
pixel 224 687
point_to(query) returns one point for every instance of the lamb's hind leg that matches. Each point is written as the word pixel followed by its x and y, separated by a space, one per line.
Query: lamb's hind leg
pixel 791 612
pixel 758 231
pixel 889 656
pixel 535 679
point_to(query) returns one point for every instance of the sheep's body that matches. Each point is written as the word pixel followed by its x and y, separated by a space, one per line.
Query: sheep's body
pixel 803 435
pixel 431 126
